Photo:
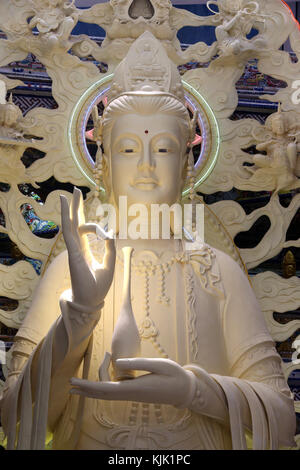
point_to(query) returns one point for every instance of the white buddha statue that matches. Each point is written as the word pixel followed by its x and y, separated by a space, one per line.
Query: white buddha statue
pixel 207 371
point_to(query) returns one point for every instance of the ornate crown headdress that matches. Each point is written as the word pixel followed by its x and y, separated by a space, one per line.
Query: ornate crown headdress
pixel 146 69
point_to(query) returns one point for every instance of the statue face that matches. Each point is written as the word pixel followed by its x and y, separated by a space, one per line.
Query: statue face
pixel 54 3
pixel 278 126
pixel 147 159
pixel 10 117
pixel 232 6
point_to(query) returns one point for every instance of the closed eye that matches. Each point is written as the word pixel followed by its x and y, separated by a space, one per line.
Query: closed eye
pixel 165 144
pixel 127 146
pixel 129 150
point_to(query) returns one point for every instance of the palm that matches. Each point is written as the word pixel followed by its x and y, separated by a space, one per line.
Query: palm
pixel 165 383
pixel 90 280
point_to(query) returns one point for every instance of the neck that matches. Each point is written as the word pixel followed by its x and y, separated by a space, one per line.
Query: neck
pixel 158 246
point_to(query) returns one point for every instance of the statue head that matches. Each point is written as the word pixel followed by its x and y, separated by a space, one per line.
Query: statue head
pixel 10 114
pixel 146 128
pixel 145 148
pixel 52 3
pixel 232 7
pixel 277 122
pixel 226 6
pixel 56 3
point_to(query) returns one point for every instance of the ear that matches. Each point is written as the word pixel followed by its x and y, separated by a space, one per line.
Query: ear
pixel 106 175
pixel 184 161
pixel 193 126
pixel 184 166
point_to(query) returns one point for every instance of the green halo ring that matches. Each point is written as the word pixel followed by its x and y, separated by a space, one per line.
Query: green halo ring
pixel 75 124
pixel 205 168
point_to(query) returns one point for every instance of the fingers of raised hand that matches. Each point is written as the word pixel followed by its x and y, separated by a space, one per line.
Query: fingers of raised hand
pixel 77 214
pixel 106 269
pixel 110 255
pixel 96 229
pixel 65 219
pixel 71 236
pixel 110 251
pixel 81 210
pixel 75 207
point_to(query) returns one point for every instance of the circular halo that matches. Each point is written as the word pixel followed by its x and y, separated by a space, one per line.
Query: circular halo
pixel 211 136
pixel 77 126
pixel 207 124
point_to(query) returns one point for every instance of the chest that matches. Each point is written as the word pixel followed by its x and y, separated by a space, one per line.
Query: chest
pixel 176 317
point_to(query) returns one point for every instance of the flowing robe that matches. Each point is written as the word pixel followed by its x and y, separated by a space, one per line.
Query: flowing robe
pixel 196 308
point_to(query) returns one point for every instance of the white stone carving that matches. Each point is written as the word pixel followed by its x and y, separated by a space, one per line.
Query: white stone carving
pixel 73 77
pixel 233 216
pixel 17 282
pixel 235 21
pixel 277 295
pixel 278 168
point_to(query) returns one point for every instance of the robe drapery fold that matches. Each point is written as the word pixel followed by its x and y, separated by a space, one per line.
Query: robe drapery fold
pixel 263 429
pixel 241 341
pixel 30 430
pixel 33 418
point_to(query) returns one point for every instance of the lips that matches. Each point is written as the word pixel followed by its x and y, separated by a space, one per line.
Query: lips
pixel 144 181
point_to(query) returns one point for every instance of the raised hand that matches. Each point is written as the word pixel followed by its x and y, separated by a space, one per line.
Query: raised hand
pixel 90 280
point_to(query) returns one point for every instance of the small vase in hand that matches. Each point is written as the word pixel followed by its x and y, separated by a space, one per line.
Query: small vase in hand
pixel 126 340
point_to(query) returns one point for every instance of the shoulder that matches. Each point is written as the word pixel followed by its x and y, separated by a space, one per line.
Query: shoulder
pixel 243 321
pixel 206 265
pixel 229 267
pixel 224 259
pixel 215 262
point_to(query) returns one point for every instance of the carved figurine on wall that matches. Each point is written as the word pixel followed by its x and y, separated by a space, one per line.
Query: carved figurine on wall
pixel 235 20
pixel 13 138
pixel 125 20
pixel 206 368
pixel 277 169
pixel 10 116
pixel 11 128
pixel 54 19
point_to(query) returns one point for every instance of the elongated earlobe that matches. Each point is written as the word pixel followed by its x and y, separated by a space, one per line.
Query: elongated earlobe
pixel 106 177
pixel 191 164
pixel 191 175
pixel 193 127
pixel 98 170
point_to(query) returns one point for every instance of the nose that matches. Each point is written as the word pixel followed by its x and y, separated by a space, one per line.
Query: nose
pixel 147 160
